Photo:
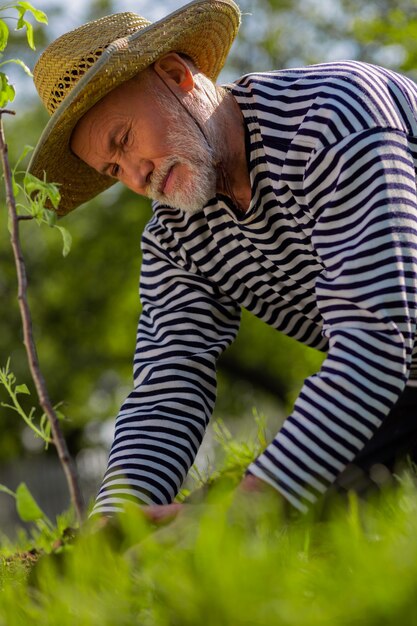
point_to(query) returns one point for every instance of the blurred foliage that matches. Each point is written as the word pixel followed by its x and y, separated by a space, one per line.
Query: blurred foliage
pixel 232 560
pixel 289 33
pixel 229 558
pixel 85 307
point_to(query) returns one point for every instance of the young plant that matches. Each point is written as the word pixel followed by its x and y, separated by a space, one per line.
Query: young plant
pixel 36 193
pixel 8 380
pixel 27 507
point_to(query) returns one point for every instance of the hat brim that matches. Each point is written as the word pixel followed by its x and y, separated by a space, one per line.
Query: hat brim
pixel 203 29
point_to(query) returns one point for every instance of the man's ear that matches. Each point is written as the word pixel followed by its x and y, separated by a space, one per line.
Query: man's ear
pixel 173 68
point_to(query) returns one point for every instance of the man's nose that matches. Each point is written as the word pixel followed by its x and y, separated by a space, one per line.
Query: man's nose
pixel 137 173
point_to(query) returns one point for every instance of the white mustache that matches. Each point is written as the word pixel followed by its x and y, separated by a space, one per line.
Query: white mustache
pixel 157 178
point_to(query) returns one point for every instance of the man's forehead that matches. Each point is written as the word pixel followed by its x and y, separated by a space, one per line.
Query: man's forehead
pixel 89 135
pixel 113 103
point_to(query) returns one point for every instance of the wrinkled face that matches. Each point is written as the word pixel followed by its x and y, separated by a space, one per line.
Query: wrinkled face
pixel 150 144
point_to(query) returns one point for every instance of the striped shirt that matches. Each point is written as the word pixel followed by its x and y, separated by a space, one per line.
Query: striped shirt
pixel 326 253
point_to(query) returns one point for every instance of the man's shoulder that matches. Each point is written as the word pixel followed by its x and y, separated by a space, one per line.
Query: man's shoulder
pixel 322 74
pixel 319 104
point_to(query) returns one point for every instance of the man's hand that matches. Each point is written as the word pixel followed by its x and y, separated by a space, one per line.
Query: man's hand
pixel 253 483
pixel 251 486
pixel 161 513
pixel 164 513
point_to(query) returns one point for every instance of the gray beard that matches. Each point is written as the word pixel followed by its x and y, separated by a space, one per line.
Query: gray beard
pixel 192 150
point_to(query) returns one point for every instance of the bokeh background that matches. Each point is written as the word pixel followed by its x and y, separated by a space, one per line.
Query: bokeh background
pixel 85 306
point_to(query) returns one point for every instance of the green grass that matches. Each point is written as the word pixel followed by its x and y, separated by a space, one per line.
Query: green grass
pixel 230 560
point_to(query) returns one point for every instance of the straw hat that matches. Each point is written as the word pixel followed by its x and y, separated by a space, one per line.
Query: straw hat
pixel 81 67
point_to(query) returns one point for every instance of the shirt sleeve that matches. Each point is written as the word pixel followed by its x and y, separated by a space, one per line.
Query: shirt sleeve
pixel 184 326
pixel 360 196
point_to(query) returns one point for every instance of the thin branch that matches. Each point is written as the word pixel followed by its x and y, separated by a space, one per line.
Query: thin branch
pixel 58 437
pixel 23 218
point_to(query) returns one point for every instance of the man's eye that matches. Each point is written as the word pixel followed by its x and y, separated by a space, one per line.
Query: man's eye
pixel 125 138
pixel 115 170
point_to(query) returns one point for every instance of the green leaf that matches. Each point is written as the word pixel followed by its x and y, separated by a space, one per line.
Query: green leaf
pixel 4 35
pixel 7 92
pixel 20 21
pixel 9 492
pixel 60 415
pixel 25 150
pixel 53 194
pixel 45 427
pixel 29 34
pixel 15 186
pixel 5 370
pixel 51 217
pixel 38 193
pixel 31 183
pixel 67 240
pixel 39 16
pixel 22 389
pixel 10 93
pixel 43 422
pixel 26 505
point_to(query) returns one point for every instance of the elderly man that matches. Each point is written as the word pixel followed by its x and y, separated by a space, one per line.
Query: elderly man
pixel 290 193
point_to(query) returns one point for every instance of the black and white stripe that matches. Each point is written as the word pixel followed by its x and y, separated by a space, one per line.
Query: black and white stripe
pixel 326 254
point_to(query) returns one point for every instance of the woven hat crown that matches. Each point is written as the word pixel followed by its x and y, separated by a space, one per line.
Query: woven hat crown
pixel 68 58
pixel 81 67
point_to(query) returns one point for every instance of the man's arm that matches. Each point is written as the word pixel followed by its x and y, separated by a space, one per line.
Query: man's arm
pixel 184 326
pixel 361 200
